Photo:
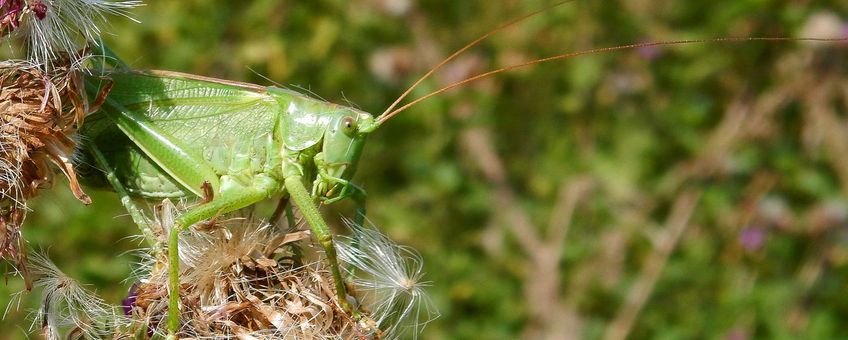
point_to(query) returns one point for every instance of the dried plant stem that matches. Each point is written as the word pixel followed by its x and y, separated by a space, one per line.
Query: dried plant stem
pixel 543 249
pixel 641 290
pixel 41 112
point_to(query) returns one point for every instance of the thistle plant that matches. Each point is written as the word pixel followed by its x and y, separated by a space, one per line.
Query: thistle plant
pixel 43 101
pixel 244 278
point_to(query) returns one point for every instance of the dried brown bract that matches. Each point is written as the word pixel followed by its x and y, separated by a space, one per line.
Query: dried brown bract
pixel 247 279
pixel 39 115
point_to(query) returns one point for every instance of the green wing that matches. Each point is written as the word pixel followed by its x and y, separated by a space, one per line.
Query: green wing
pixel 188 127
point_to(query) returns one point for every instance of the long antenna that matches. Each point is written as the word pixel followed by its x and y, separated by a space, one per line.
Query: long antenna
pixel 463 49
pixel 386 116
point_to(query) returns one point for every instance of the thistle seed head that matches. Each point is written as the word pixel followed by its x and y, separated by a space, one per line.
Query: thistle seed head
pixel 53 29
pixel 67 307
pixel 243 279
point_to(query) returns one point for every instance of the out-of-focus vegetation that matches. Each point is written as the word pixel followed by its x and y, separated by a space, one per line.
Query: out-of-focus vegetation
pixel 675 192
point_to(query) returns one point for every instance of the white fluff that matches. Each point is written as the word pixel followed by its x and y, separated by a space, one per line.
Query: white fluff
pixel 67 25
pixel 66 305
pixel 389 277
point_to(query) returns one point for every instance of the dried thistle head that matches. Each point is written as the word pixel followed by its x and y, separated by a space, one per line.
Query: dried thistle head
pixel 39 115
pixel 245 279
pixel 52 29
pixel 241 278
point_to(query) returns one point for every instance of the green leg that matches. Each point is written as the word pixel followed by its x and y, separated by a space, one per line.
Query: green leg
pixel 135 213
pixel 262 188
pixel 304 202
pixel 359 220
pixel 358 195
pixel 348 190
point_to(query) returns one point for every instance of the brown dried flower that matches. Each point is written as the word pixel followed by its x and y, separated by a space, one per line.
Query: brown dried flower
pixel 244 280
pixel 39 115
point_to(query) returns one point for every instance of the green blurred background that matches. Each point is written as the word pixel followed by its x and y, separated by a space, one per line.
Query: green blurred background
pixel 678 192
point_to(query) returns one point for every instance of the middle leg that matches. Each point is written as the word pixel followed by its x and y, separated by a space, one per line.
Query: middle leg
pixel 232 200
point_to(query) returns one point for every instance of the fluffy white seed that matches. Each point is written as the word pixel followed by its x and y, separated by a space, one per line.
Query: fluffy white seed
pixel 389 277
pixel 67 306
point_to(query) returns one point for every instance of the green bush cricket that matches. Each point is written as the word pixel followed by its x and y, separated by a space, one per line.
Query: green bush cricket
pixel 145 177
pixel 245 159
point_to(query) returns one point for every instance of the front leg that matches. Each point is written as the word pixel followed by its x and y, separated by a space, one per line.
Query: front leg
pixel 304 202
pixel 325 186
pixel 349 190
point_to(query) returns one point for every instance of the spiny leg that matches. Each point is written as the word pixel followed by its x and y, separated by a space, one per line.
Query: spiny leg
pixel 358 195
pixel 304 202
pixel 348 190
pixel 262 188
pixel 135 213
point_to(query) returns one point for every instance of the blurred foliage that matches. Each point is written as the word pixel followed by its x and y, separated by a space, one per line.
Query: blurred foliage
pixel 756 128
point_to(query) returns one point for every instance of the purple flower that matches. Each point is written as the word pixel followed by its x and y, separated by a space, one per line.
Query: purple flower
pixel 129 302
pixel 39 8
pixel 650 52
pixel 752 238
pixel 10 15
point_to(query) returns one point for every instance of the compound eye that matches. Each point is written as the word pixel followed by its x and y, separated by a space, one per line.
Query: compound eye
pixel 348 125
